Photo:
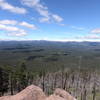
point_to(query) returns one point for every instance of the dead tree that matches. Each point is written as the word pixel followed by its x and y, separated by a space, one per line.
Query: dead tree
pixel 94 92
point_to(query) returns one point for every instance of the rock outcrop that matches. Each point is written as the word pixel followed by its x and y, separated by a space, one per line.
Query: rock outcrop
pixel 60 94
pixel 35 93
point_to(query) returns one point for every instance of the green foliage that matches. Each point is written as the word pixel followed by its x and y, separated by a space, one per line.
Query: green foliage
pixel 4 81
pixel 23 61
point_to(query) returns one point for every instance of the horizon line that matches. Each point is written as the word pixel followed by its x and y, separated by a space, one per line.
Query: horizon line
pixel 50 40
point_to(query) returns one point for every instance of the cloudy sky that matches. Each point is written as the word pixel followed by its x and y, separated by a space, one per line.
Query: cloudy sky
pixel 57 20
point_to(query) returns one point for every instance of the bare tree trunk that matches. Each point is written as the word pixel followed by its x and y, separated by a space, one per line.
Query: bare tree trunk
pixel 84 93
pixel 43 81
pixel 62 76
pixel 55 80
pixel 12 87
pixel 94 92
pixel 64 87
pixel 11 83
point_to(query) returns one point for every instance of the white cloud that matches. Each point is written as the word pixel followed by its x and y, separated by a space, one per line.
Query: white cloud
pixel 11 27
pixel 18 33
pixel 25 24
pixel 44 19
pixel 42 10
pixel 14 22
pixel 94 36
pixel 7 22
pixel 77 28
pixel 89 37
pixel 57 18
pixel 30 2
pixel 6 6
pixel 12 30
pixel 95 31
pixel 8 28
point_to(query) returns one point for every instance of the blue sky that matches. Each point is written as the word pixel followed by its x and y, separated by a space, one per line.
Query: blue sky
pixel 57 20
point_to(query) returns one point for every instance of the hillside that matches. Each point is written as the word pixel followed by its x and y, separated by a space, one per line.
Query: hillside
pixel 72 66
pixel 36 54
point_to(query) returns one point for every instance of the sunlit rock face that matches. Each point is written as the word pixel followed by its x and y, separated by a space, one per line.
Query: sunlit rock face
pixel 63 94
pixel 60 94
pixel 35 93
pixel 30 93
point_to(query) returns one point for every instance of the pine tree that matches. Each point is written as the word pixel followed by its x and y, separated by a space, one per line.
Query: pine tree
pixel 4 81
pixel 22 77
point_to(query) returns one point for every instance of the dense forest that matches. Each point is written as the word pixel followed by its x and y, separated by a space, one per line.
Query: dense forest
pixel 73 66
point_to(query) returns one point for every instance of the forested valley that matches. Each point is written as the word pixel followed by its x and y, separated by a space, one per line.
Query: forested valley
pixel 72 66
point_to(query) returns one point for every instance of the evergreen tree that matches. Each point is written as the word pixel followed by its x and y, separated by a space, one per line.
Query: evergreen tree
pixel 22 77
pixel 4 81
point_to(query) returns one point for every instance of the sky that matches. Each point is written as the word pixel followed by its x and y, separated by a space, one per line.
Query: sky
pixel 53 20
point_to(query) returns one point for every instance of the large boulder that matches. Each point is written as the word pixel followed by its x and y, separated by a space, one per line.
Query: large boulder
pixel 35 93
pixel 63 94
pixel 30 93
pixel 60 94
